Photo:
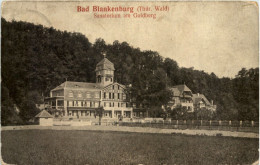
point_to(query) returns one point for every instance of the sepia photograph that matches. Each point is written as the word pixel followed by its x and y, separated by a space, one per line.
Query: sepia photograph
pixel 131 82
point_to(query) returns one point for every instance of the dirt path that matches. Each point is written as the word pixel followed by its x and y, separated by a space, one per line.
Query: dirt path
pixel 138 129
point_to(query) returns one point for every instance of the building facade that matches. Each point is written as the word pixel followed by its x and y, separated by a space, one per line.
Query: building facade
pixel 183 97
pixel 200 102
pixel 81 99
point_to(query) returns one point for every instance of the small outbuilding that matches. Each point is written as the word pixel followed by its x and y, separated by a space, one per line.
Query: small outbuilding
pixel 44 118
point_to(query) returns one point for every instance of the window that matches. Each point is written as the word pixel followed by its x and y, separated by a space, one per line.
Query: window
pixel 113 87
pixel 70 94
pixel 70 103
pixel 118 87
pixel 118 95
pixel 76 103
pixel 109 95
pixel 105 104
pixel 134 105
pixel 111 79
pixel 118 105
pixel 88 104
pixel 107 79
pixel 88 95
pixel 104 95
pixel 80 94
pixel 124 96
pixel 113 95
pixel 97 95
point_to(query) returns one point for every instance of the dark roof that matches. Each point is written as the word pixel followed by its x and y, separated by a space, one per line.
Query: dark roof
pixel 175 91
pixel 44 114
pixel 93 86
pixel 115 83
pixel 179 89
pixel 105 64
pixel 74 84
pixel 182 88
pixel 61 86
pixel 199 97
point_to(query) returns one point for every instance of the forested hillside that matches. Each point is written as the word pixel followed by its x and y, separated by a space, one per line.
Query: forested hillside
pixel 36 59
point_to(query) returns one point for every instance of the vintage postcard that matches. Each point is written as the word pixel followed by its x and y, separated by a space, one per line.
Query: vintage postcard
pixel 147 82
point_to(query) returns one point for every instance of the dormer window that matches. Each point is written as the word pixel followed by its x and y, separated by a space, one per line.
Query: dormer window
pixel 124 96
pixel 70 94
pixel 88 95
pixel 97 95
pixel 80 94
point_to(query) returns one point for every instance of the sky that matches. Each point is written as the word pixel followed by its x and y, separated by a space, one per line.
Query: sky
pixel 219 37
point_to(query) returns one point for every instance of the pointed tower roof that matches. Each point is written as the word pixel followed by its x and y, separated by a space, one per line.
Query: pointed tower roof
pixel 44 114
pixel 105 64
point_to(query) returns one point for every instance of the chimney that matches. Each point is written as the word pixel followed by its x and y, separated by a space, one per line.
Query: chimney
pixel 211 102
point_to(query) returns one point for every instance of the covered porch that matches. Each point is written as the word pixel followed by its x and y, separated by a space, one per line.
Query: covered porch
pixel 77 112
pixel 140 113
pixel 117 114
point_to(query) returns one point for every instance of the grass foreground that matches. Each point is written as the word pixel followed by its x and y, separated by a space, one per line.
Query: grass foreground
pixel 96 147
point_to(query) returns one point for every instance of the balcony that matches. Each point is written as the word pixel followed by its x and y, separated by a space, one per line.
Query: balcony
pixel 187 96
pixel 58 107
pixel 118 108
pixel 186 104
pixel 81 108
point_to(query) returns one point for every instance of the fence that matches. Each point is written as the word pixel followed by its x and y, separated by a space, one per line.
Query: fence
pixel 82 122
pixel 241 126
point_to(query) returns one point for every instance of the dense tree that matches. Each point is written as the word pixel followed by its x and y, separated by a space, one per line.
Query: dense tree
pixel 35 59
pixel 246 93
pixel 99 112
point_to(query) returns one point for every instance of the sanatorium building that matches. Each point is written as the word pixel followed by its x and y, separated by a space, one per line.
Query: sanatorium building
pixel 80 99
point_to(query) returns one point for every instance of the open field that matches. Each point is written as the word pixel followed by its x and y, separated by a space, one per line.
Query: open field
pixel 99 147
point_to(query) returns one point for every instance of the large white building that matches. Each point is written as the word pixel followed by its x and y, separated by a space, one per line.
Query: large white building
pixel 80 99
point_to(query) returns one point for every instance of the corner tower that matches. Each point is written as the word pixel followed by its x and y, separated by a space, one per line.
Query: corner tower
pixel 105 72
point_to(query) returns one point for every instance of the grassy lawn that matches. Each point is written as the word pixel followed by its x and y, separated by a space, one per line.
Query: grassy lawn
pixel 92 147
